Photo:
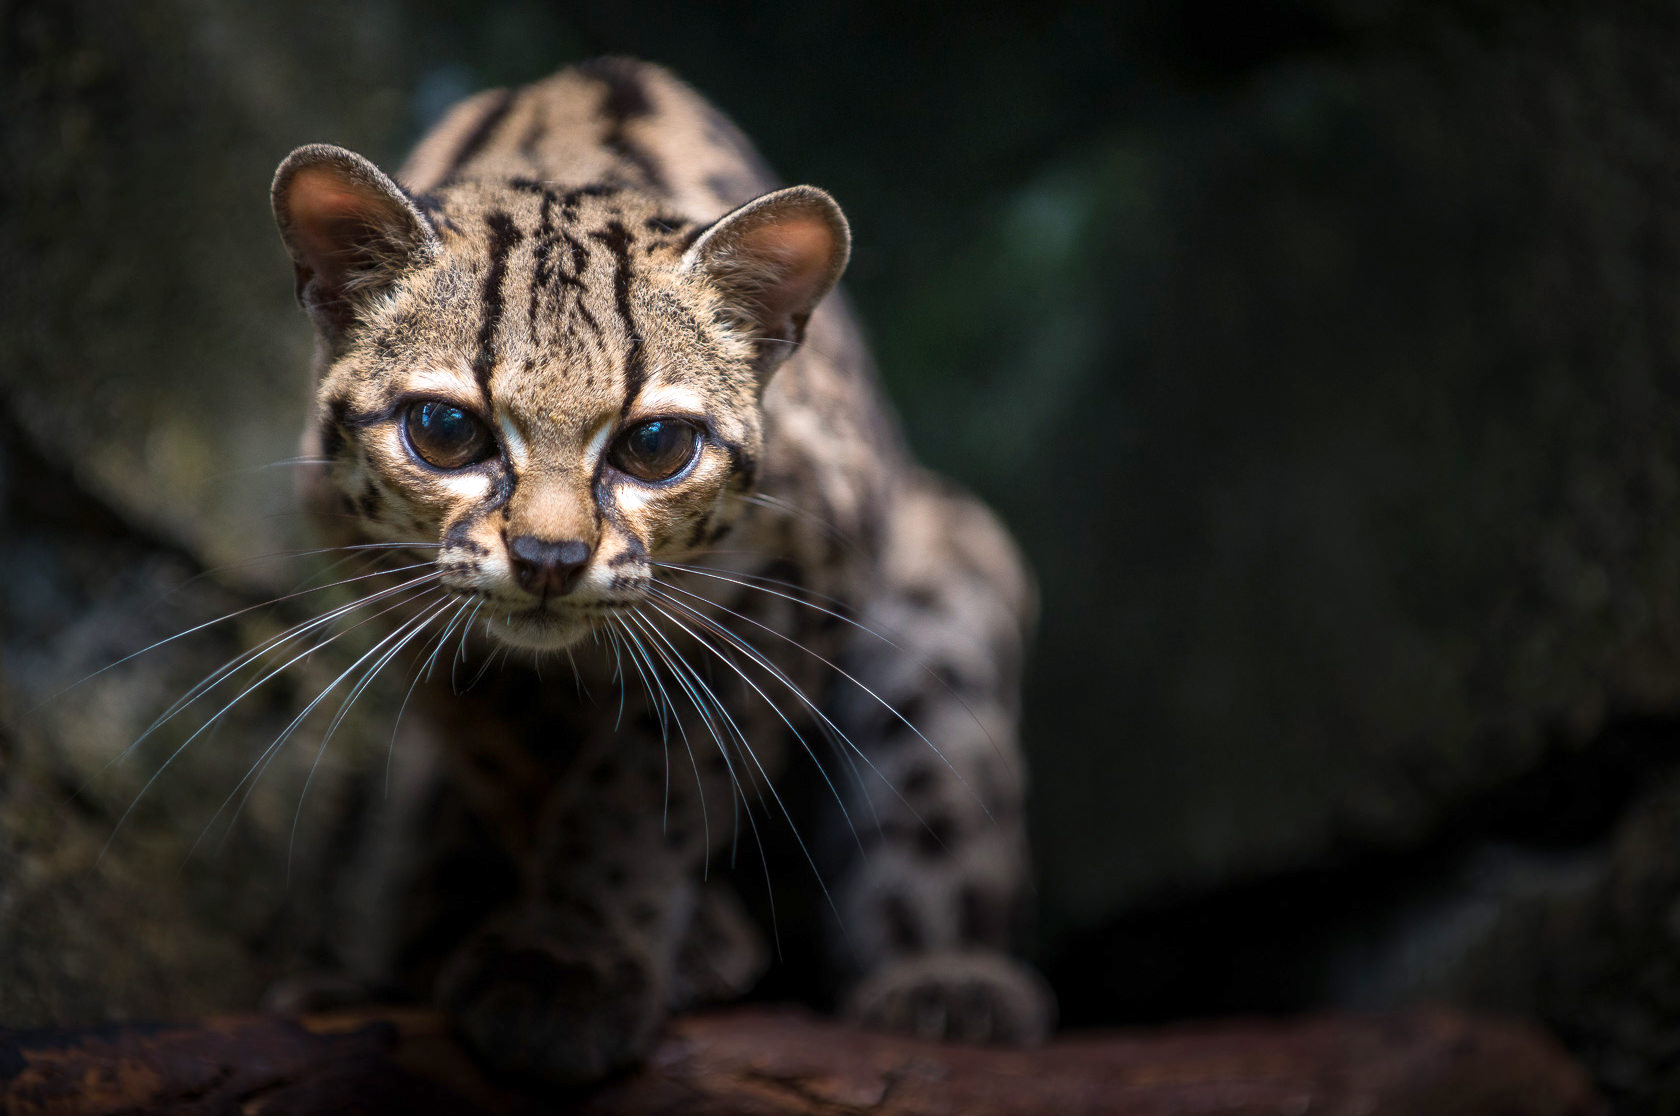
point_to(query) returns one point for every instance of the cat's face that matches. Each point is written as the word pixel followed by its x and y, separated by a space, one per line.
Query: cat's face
pixel 547 393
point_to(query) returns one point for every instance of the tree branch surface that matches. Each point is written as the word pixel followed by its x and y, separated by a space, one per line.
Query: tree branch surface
pixel 758 1060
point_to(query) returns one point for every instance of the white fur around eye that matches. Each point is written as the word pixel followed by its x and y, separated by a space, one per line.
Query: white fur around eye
pixel 663 399
pixel 632 498
pixel 598 444
pixel 466 486
pixel 513 442
pixel 447 383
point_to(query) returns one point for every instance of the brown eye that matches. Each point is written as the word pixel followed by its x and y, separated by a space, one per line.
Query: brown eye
pixel 656 450
pixel 446 436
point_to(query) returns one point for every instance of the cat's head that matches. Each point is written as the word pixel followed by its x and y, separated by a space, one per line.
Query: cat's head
pixel 547 390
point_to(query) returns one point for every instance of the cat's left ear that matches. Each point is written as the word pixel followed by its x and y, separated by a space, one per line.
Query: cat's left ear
pixel 350 230
pixel 774 259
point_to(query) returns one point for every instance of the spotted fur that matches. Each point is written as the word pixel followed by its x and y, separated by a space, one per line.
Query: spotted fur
pixel 565 261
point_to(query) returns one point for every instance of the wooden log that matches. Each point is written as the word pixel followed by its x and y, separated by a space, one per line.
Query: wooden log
pixel 759 1060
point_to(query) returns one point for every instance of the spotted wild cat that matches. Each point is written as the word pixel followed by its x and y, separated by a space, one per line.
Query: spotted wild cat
pixel 572 365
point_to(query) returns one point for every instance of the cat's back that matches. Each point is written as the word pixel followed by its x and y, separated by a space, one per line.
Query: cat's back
pixel 614 121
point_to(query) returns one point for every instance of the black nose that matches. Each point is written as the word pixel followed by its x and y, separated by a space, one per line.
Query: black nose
pixel 548 568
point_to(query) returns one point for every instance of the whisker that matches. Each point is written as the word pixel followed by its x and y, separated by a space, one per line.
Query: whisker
pixel 657 638
pixel 460 655
pixel 223 712
pixel 718 575
pixel 768 783
pixel 253 775
pixel 414 628
pixel 200 627
pixel 638 655
pixel 260 766
pixel 282 463
pixel 797 735
pixel 776 672
pixel 699 784
pixel 423 669
pixel 618 676
pixel 828 528
pixel 245 658
pixel 843 672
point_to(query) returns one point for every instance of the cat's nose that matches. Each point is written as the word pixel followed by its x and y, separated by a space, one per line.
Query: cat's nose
pixel 548 568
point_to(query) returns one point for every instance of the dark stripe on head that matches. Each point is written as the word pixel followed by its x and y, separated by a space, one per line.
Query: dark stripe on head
pixel 624 99
pixel 533 134
pixel 545 245
pixel 569 200
pixel 626 96
pixel 503 236
pixel 617 239
pixel 480 135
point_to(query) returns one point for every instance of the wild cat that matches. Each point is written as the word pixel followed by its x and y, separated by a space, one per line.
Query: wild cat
pixel 576 369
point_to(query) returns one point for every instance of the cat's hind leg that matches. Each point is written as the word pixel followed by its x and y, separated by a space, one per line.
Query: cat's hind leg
pixel 932 903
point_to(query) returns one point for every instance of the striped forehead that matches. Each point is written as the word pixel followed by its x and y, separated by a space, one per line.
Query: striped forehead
pixel 564 324
pixel 553 277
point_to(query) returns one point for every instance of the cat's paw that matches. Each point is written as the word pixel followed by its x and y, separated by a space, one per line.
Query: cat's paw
pixel 532 1006
pixel 968 996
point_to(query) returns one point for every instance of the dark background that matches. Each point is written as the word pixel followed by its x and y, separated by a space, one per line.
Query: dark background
pixel 1322 355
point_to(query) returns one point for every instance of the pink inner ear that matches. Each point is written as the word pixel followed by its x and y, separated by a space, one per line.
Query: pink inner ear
pixel 323 205
pixel 802 250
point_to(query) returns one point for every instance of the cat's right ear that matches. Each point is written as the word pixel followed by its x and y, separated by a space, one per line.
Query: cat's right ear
pixel 349 228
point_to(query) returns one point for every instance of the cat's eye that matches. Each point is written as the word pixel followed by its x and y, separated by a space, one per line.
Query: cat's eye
pixel 446 436
pixel 655 450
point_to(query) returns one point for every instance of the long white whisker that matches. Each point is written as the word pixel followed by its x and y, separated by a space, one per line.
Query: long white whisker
pixel 776 672
pixel 829 529
pixel 703 571
pixel 245 658
pixel 223 712
pixel 253 775
pixel 413 628
pixel 847 675
pixel 200 627
pixel 618 676
pixel 460 655
pixel 639 655
pixel 765 775
pixel 423 669
pixel 657 638
pixel 693 696
pixel 797 735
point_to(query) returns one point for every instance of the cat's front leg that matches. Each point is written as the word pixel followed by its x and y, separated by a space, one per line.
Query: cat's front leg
pixel 573 982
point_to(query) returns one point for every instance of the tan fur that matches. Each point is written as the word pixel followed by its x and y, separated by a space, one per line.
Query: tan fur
pixel 562 262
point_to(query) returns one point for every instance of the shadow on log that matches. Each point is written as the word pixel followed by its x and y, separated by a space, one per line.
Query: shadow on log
pixel 754 1061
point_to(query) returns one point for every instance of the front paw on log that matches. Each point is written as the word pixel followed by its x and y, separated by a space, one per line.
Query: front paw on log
pixel 532 1007
pixel 968 996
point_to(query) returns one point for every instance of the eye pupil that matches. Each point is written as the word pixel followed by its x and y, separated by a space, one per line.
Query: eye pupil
pixel 649 438
pixel 657 450
pixel 446 436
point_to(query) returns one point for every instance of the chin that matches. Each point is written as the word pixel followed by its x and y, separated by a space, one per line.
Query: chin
pixel 538 630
